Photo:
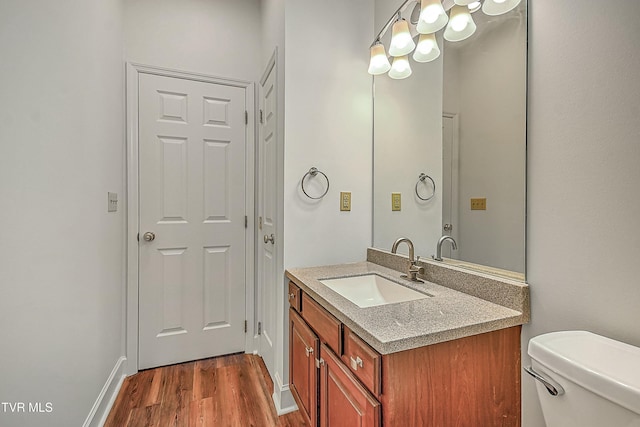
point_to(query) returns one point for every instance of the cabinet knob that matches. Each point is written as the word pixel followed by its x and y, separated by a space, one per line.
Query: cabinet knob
pixel 355 363
pixel 292 296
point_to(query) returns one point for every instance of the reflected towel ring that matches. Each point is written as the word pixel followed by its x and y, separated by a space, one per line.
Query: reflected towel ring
pixel 422 178
pixel 313 172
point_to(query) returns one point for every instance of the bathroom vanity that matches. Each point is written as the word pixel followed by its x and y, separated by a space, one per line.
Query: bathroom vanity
pixel 444 358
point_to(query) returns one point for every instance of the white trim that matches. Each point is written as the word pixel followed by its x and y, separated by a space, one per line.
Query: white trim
pixel 270 64
pixel 102 406
pixel 131 349
pixel 251 337
pixel 282 397
pixel 133 71
pixel 455 176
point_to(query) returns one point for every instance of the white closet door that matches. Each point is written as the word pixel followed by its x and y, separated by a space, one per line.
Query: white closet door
pixel 192 144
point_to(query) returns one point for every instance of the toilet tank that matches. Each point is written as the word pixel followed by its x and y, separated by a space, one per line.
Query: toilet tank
pixel 600 378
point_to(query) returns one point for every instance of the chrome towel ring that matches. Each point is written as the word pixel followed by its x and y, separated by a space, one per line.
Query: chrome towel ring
pixel 314 172
pixel 422 178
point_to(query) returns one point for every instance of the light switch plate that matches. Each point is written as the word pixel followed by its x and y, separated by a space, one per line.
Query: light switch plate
pixel 345 200
pixel 113 202
pixel 396 201
pixel 479 204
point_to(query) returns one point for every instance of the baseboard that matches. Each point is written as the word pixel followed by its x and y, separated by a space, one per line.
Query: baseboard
pixel 107 396
pixel 282 397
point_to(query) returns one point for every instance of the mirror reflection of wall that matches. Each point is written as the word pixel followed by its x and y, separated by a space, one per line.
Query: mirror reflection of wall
pixel 408 141
pixel 462 120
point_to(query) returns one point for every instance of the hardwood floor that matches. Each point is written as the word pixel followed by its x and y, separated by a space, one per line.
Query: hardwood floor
pixel 233 391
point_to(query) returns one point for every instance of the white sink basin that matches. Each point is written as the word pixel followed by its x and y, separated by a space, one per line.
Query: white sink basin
pixel 371 290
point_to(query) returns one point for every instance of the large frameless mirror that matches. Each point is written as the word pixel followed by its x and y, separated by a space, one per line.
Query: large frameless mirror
pixel 450 140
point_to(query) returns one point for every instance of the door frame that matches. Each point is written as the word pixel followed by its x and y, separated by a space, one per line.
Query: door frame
pixel 133 70
pixel 455 178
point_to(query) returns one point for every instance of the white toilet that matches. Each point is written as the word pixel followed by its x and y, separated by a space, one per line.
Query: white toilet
pixel 596 380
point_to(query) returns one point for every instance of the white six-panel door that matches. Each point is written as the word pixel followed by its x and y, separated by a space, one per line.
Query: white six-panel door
pixel 192 143
pixel 267 211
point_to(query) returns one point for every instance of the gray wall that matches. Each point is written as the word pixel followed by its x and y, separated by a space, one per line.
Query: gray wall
pixel 61 253
pixel 492 90
pixel 583 173
pixel 214 37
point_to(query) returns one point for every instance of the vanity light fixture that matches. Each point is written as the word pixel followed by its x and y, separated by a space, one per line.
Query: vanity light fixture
pixel 427 49
pixel 379 63
pixel 401 41
pixel 475 6
pixel 400 69
pixel 498 7
pixel 432 17
pixel 461 25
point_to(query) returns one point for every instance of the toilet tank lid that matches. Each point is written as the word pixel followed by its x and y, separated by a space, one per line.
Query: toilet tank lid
pixel 604 366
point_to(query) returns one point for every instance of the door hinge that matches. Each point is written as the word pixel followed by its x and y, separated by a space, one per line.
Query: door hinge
pixel 259 328
pixel 246 117
pixel 246 221
pixel 245 326
pixel 261 117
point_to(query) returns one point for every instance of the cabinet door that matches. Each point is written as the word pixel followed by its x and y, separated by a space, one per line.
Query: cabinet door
pixel 303 374
pixel 344 402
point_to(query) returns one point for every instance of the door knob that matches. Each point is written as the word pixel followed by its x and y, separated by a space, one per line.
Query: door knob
pixel 271 239
pixel 149 236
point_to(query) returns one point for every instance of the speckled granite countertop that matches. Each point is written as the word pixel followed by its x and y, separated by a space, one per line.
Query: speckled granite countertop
pixel 391 328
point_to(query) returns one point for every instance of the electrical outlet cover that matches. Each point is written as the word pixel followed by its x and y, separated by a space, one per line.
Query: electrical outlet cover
pixel 345 201
pixel 396 202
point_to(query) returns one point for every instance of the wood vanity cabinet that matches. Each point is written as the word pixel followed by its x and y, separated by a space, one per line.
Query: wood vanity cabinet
pixel 326 391
pixel 343 400
pixel 303 378
pixel 343 382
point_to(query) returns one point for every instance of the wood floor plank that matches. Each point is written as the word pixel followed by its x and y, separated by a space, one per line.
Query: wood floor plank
pixel 265 373
pixel 227 391
pixel 292 419
pixel 177 389
pixel 202 413
pixel 119 415
pixel 140 387
pixel 226 398
pixel 256 404
pixel 205 378
pixel 146 416
pixel 153 393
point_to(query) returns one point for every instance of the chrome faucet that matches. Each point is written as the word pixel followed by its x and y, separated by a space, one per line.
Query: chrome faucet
pixel 454 246
pixel 413 270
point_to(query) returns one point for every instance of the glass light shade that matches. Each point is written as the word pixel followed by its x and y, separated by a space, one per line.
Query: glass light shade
pixel 400 69
pixel 475 6
pixel 461 25
pixel 498 7
pixel 432 17
pixel 463 2
pixel 379 63
pixel 401 41
pixel 427 49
